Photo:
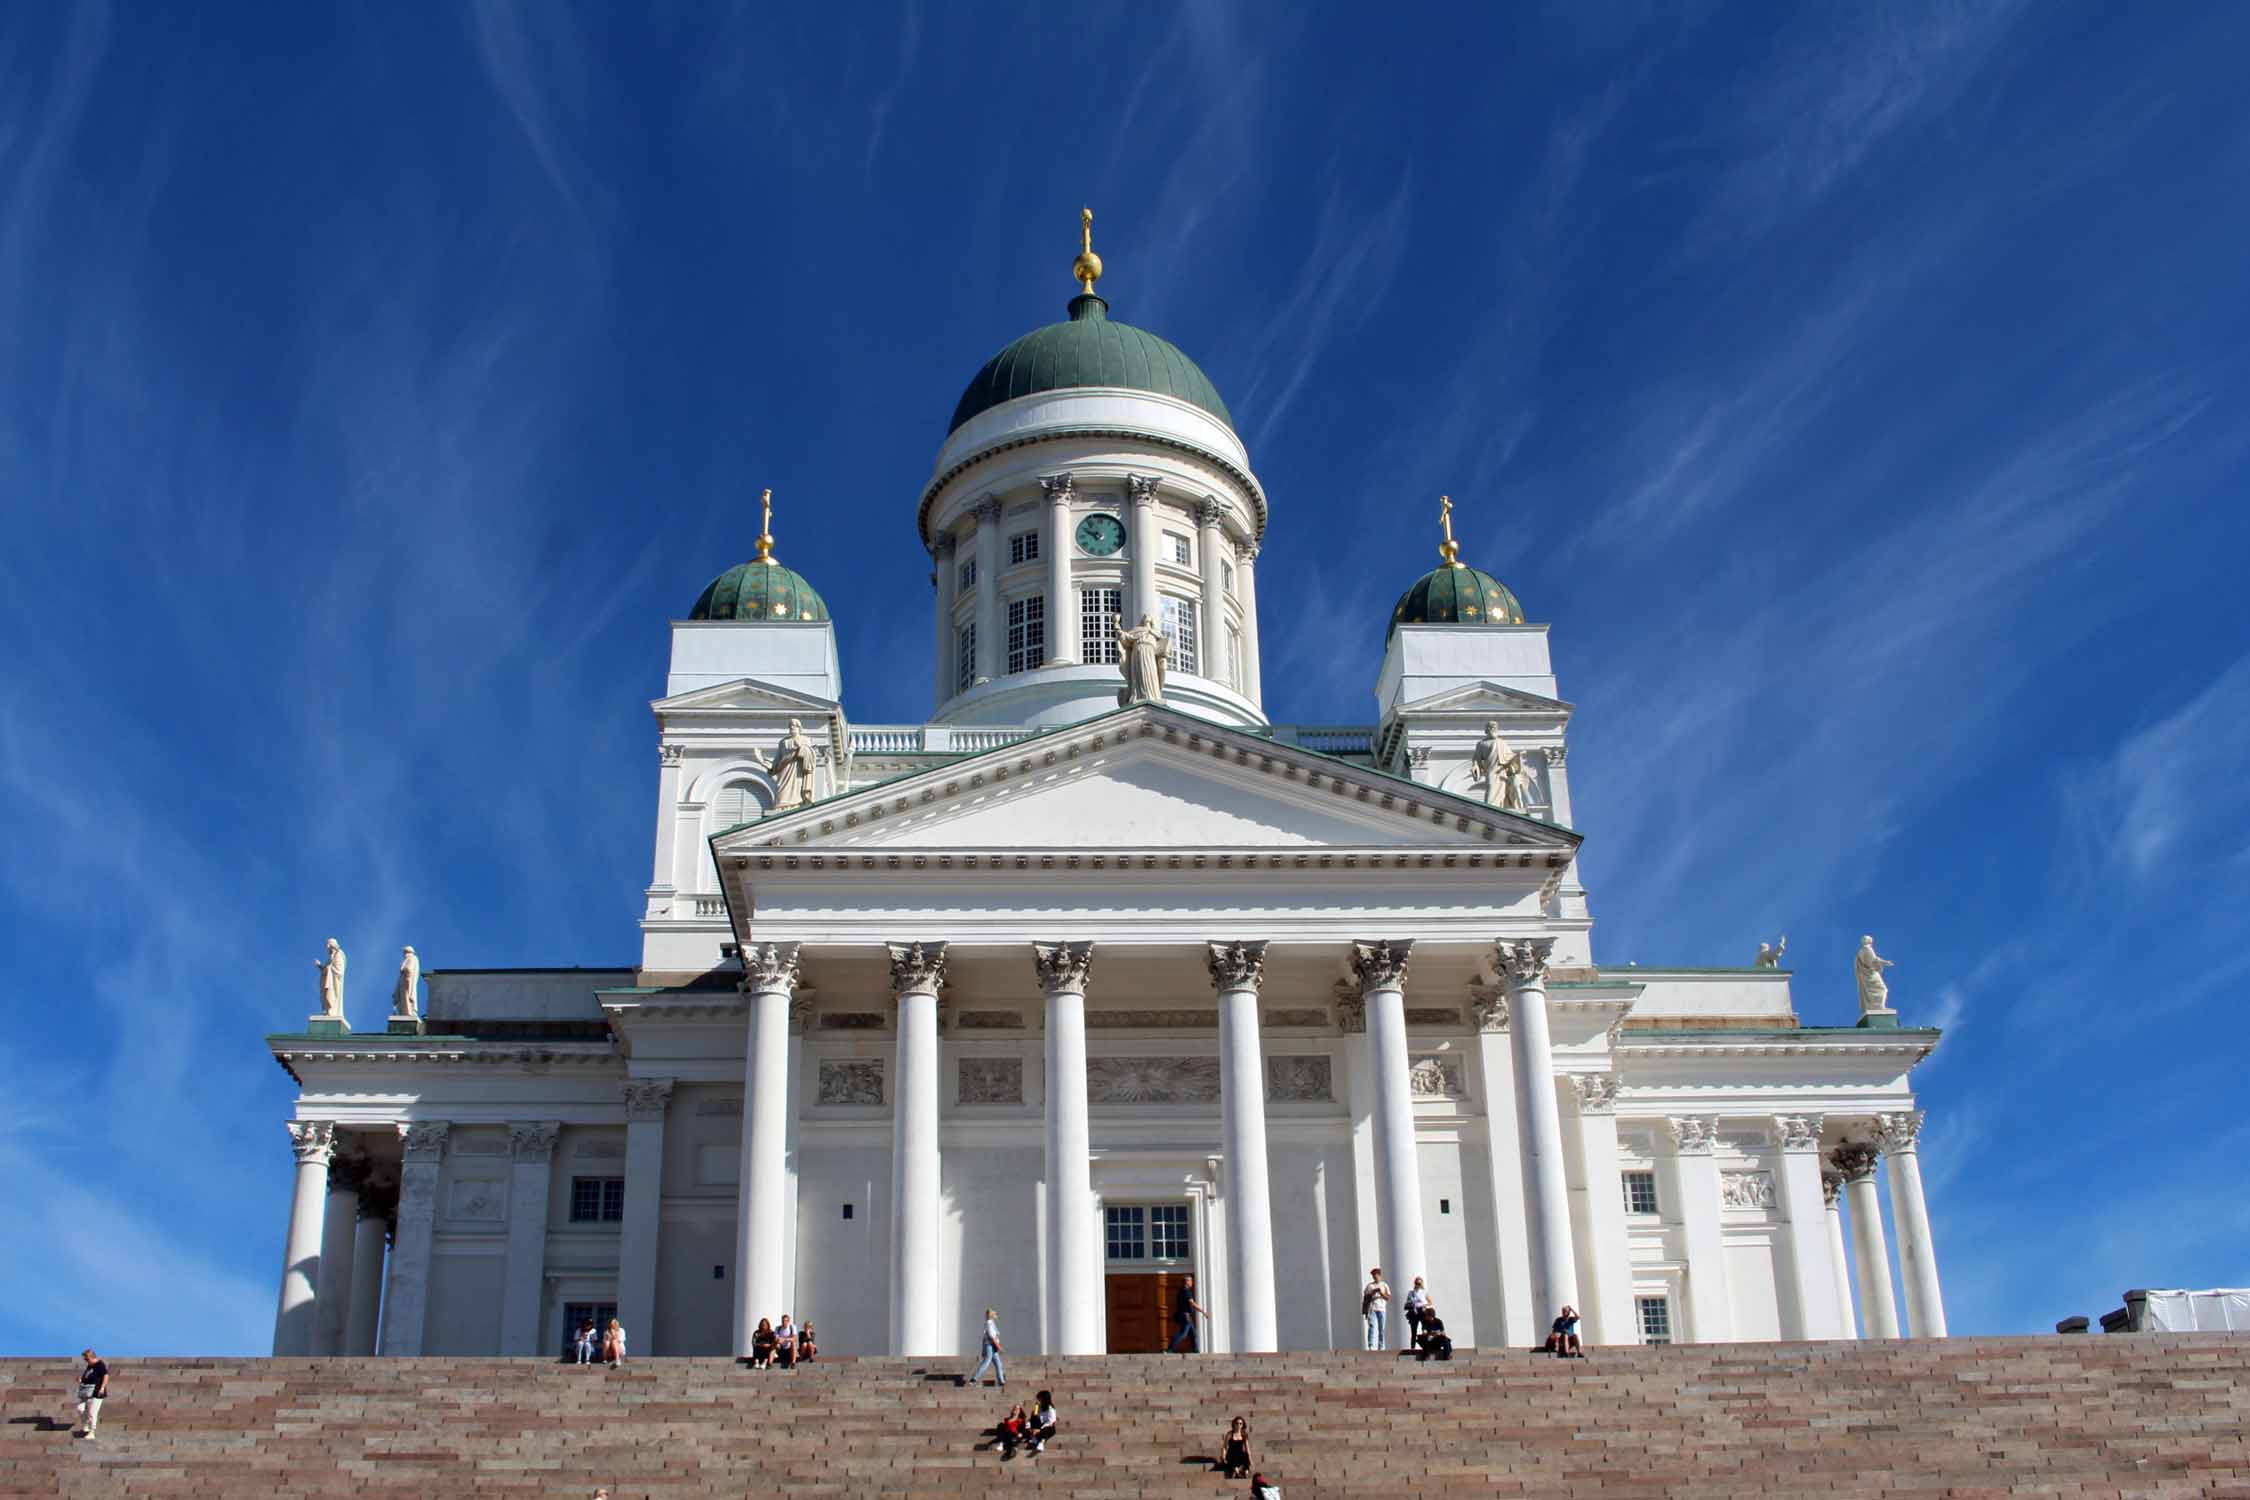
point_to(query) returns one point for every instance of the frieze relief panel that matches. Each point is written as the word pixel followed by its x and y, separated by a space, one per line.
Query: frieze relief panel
pixel 1747 1190
pixel 1152 1080
pixel 1152 1020
pixel 851 1081
pixel 1437 1075
pixel 480 1198
pixel 1300 1079
pixel 853 1020
pixel 991 1080
pixel 1312 1018
pixel 1433 1016
pixel 989 1020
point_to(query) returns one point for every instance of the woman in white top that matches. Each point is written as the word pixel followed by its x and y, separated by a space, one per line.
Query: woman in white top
pixel 992 1352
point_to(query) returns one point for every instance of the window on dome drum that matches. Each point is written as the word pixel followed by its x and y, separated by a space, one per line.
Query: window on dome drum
pixel 1226 576
pixel 1179 624
pixel 1656 1319
pixel 1234 655
pixel 968 575
pixel 1177 546
pixel 1027 633
pixel 597 1200
pixel 1640 1192
pixel 1097 625
pixel 737 802
pixel 965 658
pixel 1023 547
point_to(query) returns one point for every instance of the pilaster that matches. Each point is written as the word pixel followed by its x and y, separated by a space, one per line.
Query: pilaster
pixel 1695 1177
pixel 532 1146
pixel 647 1100
pixel 406 1304
pixel 1606 1266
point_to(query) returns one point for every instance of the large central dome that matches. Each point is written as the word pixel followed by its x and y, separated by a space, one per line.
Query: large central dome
pixel 1089 350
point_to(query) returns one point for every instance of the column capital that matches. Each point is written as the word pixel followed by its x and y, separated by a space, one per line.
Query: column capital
pixel 1523 961
pixel 1899 1132
pixel 648 1098
pixel 670 755
pixel 533 1140
pixel 1831 1185
pixel 1558 756
pixel 943 547
pixel 1351 1009
pixel 1856 1160
pixel 1058 486
pixel 916 968
pixel 313 1141
pixel 348 1172
pixel 1209 512
pixel 1489 1004
pixel 1798 1132
pixel 767 967
pixel 1141 488
pixel 1246 553
pixel 1063 968
pixel 1692 1135
pixel 1381 963
pixel 1597 1093
pixel 1237 966
pixel 423 1141
pixel 987 510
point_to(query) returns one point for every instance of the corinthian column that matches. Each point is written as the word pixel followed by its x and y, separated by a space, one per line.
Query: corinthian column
pixel 992 653
pixel 1073 1255
pixel 770 976
pixel 1857 1160
pixel 406 1305
pixel 1210 543
pixel 1141 514
pixel 1062 609
pixel 1554 1270
pixel 1917 1258
pixel 332 1303
pixel 917 974
pixel 1608 1254
pixel 1237 969
pixel 1380 971
pixel 1809 1311
pixel 1832 1201
pixel 1695 1187
pixel 1246 586
pixel 377 1203
pixel 313 1142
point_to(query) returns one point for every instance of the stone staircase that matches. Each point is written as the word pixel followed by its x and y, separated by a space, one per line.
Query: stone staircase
pixel 2144 1414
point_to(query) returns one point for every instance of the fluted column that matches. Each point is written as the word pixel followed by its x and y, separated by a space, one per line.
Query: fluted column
pixel 1554 1270
pixel 1237 970
pixel 1809 1311
pixel 647 1101
pixel 1832 1200
pixel 1073 1255
pixel 1379 968
pixel 406 1304
pixel 1857 1161
pixel 1917 1257
pixel 1246 581
pixel 991 647
pixel 1695 1188
pixel 944 570
pixel 917 974
pixel 332 1300
pixel 377 1205
pixel 1141 494
pixel 1608 1257
pixel 770 975
pixel 1062 607
pixel 532 1147
pixel 1520 1323
pixel 1210 543
pixel 313 1142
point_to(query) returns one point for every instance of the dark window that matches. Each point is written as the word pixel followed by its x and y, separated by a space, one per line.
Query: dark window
pixel 597 1200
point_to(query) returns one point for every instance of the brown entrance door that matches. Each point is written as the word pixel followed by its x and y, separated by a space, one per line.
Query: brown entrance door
pixel 1140 1308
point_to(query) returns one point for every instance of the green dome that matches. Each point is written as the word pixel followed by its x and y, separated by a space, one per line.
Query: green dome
pixel 1086 351
pixel 759 592
pixel 1457 594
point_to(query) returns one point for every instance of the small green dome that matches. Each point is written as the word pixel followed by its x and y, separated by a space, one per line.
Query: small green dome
pixel 760 591
pixel 1457 594
pixel 1089 350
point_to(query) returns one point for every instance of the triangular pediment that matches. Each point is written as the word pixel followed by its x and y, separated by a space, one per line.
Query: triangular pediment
pixel 745 695
pixel 1488 697
pixel 1148 778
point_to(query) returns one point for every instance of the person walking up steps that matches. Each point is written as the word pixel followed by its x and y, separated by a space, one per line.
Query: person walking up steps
pixel 93 1390
pixel 1186 1309
pixel 992 1352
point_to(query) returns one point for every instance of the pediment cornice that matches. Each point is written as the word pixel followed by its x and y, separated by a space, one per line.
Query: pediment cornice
pixel 743 695
pixel 1489 699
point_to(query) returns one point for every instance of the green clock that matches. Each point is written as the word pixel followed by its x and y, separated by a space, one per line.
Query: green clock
pixel 1101 535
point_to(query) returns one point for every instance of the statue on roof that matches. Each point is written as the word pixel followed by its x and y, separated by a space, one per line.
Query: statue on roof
pixel 1874 991
pixel 1143 654
pixel 331 966
pixel 405 994
pixel 1769 954
pixel 1507 780
pixel 793 769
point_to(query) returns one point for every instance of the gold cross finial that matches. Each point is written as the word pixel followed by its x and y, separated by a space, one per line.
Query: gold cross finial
pixel 1088 267
pixel 765 528
pixel 1449 549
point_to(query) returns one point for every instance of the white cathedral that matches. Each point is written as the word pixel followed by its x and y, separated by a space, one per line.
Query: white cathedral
pixel 1100 978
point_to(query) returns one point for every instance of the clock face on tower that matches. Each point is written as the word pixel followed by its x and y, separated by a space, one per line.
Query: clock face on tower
pixel 1101 535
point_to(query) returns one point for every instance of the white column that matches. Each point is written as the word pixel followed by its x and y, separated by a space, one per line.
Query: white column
pixel 800 1022
pixel 990 647
pixel 1520 1324
pixel 313 1141
pixel 944 568
pixel 770 975
pixel 1808 1310
pixel 1380 969
pixel 533 1148
pixel 1832 1200
pixel 1246 580
pixel 375 1211
pixel 1367 1217
pixel 1554 1270
pixel 1141 493
pixel 646 1100
pixel 1237 970
pixel 332 1300
pixel 1074 1288
pixel 1210 541
pixel 667 819
pixel 406 1305
pixel 1062 605
pixel 1558 785
pixel 1917 1257
pixel 917 974
pixel 1857 1160
pixel 1609 1260
pixel 1695 1188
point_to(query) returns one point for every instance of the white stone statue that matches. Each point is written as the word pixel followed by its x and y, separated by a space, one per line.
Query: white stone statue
pixel 1507 780
pixel 405 996
pixel 331 968
pixel 793 768
pixel 1769 954
pixel 1874 993
pixel 1143 655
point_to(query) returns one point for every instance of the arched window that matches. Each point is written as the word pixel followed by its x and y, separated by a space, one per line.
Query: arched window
pixel 737 802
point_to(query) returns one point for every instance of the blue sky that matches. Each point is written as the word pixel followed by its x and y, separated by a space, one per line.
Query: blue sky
pixel 1858 391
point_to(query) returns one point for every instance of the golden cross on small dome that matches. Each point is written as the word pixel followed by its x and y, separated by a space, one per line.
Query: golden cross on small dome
pixel 765 528
pixel 1449 549
pixel 1088 267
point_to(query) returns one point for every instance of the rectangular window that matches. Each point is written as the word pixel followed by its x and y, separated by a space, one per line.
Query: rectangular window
pixel 1226 575
pixel 1656 1319
pixel 1027 633
pixel 1097 625
pixel 1168 1231
pixel 968 575
pixel 965 658
pixel 597 1200
pixel 1179 624
pixel 1127 1228
pixel 1023 547
pixel 1640 1192
pixel 1177 546
pixel 1234 655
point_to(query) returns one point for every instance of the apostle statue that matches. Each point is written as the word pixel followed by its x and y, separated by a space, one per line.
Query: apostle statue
pixel 1769 954
pixel 1143 654
pixel 793 769
pixel 331 968
pixel 406 993
pixel 1507 780
pixel 1874 993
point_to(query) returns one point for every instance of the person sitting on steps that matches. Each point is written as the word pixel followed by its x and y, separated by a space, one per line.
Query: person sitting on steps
pixel 1261 1489
pixel 806 1348
pixel 762 1345
pixel 1043 1421
pixel 1562 1339
pixel 1009 1435
pixel 1431 1337
pixel 785 1343
pixel 1234 1449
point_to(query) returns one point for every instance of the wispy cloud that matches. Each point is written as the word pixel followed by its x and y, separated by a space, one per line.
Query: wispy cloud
pixel 2172 799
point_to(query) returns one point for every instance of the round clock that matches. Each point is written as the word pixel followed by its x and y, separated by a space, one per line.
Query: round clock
pixel 1101 535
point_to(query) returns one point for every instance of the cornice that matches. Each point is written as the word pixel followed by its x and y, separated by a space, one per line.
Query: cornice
pixel 1776 1044
pixel 443 1051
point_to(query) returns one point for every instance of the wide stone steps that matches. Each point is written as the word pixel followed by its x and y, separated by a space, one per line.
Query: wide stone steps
pixel 2094 1416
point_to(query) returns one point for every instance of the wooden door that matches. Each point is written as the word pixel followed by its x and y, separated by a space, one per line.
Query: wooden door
pixel 1140 1306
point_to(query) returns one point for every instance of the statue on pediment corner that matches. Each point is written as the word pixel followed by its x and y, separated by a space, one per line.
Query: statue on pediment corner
pixel 331 966
pixel 405 994
pixel 1770 954
pixel 793 768
pixel 1874 990
pixel 1507 780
